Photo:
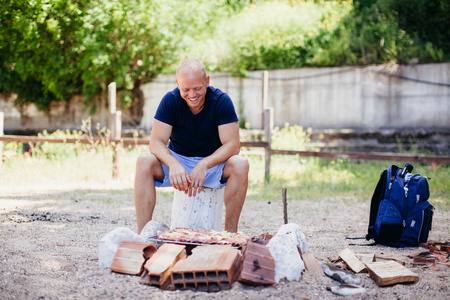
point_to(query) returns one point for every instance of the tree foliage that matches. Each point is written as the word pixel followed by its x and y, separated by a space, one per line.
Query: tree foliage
pixel 427 20
pixel 277 35
pixel 401 30
pixel 52 49
pixel 293 34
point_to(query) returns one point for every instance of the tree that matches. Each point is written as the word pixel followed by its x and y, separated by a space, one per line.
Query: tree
pixel 51 49
pixel 403 29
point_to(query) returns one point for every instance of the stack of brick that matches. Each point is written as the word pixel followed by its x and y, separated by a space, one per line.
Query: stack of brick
pixel 209 268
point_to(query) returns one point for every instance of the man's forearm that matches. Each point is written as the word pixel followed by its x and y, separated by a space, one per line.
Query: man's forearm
pixel 162 153
pixel 221 154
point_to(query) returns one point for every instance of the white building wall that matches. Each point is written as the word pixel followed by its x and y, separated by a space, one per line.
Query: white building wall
pixel 321 98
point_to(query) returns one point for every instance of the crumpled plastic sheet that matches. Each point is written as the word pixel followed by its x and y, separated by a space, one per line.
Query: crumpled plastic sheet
pixel 284 249
pixel 110 242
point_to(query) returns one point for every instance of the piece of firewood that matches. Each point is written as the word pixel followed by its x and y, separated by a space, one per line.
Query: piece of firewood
pixel 365 258
pixel 311 264
pixel 351 260
pixel 390 272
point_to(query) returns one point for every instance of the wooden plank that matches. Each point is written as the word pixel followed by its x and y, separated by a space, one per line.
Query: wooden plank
pixel 127 141
pixel 365 258
pixel 381 259
pixel 367 156
pixel 129 258
pixel 390 272
pixel 311 264
pixel 351 260
pixel 348 155
pixel 160 265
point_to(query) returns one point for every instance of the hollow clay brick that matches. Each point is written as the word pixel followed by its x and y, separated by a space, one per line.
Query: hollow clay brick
pixel 209 268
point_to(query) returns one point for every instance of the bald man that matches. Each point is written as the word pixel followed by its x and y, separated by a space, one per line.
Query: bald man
pixel 202 126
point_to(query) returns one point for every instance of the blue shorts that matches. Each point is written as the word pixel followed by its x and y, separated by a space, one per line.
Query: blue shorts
pixel 213 175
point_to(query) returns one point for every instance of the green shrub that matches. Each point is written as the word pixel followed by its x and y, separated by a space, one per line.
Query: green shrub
pixel 277 34
pixel 291 137
pixel 292 34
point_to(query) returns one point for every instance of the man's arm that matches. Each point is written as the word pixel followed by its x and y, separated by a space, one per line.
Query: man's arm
pixel 158 146
pixel 229 136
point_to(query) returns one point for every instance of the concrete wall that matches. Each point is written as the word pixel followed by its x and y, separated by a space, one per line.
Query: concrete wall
pixel 361 98
pixel 61 115
pixel 375 97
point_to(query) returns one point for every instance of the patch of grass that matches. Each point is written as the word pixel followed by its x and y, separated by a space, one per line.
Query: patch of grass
pixel 315 178
pixel 88 167
pixel 304 177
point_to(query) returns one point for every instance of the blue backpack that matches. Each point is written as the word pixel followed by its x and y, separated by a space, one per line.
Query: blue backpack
pixel 400 215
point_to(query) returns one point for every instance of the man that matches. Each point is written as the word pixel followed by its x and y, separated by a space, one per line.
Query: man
pixel 203 129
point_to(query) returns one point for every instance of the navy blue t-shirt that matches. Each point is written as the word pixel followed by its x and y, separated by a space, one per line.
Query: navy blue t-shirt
pixel 196 135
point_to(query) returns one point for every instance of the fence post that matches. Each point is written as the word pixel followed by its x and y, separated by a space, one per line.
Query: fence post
pixel 265 95
pixel 115 126
pixel 1 133
pixel 112 108
pixel 268 125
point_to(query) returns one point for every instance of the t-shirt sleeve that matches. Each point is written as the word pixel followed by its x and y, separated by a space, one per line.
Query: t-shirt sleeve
pixel 165 109
pixel 227 113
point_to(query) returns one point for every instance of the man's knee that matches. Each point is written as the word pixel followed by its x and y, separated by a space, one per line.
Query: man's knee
pixel 237 164
pixel 148 163
pixel 145 160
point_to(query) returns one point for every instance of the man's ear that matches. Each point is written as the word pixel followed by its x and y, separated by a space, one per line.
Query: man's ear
pixel 207 81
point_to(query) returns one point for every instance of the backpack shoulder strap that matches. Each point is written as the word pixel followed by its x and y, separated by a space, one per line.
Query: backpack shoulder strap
pixel 377 196
pixel 381 191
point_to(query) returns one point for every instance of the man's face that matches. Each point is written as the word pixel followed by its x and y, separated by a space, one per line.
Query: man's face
pixel 192 86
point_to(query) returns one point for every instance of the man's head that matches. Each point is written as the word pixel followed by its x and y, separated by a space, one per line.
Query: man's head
pixel 192 82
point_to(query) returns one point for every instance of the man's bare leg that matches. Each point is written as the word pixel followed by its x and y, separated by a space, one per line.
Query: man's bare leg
pixel 148 167
pixel 236 170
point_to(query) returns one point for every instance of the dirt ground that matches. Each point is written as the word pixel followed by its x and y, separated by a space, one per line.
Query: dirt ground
pixel 50 237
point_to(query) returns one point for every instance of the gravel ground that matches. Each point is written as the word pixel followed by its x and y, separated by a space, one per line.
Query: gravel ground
pixel 50 239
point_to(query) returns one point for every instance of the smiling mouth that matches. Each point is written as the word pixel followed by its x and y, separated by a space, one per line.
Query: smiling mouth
pixel 193 100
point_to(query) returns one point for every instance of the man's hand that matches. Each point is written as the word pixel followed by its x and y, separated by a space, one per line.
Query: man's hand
pixel 197 176
pixel 179 178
